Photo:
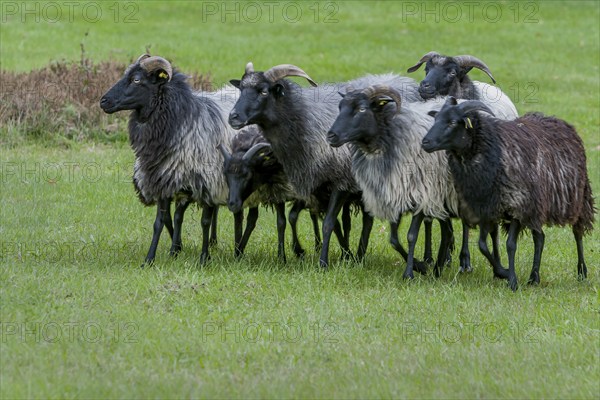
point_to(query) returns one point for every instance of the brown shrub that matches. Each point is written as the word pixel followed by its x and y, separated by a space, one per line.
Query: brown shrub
pixel 62 100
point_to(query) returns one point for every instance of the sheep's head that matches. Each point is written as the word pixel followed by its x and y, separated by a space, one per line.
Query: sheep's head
pixel 453 126
pixel 138 86
pixel 259 93
pixel 240 169
pixel 443 75
pixel 364 114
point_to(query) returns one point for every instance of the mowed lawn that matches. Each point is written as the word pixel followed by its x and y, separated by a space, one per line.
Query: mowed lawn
pixel 79 318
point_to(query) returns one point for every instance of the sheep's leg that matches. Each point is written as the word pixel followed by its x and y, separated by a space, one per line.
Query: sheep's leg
pixel 511 249
pixel 419 266
pixel 412 236
pixel 367 226
pixel 281 222
pixel 176 245
pixel 238 226
pixel 428 254
pixel 297 207
pixel 445 244
pixel 336 201
pixel 581 267
pixel 213 229
pixel 465 255
pixel 163 208
pixel 538 243
pixel 250 225
pixel 484 230
pixel 346 221
pixel 315 223
pixel 206 221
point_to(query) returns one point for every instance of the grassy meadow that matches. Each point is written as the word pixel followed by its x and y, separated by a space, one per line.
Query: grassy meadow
pixel 79 318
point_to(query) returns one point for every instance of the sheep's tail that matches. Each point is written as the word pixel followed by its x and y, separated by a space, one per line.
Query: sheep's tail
pixel 586 219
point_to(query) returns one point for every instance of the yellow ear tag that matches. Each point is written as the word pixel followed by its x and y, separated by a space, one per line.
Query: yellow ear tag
pixel 383 102
pixel 163 75
pixel 469 124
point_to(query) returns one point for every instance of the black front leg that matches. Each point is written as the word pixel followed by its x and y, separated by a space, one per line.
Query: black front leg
pixel 163 213
pixel 297 207
pixel 581 267
pixel 281 222
pixel 206 221
pixel 336 201
pixel 412 236
pixel 238 226
pixel 213 229
pixel 419 266
pixel 445 247
pixel 538 243
pixel 484 229
pixel 428 253
pixel 465 255
pixel 367 226
pixel 511 249
pixel 176 245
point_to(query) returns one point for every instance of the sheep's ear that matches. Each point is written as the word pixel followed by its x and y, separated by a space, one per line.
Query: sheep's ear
pixel 235 82
pixel 279 90
pixel 432 113
pixel 161 76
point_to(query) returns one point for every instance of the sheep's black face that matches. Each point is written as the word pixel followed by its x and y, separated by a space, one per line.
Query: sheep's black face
pixel 440 75
pixel 256 96
pixel 135 91
pixel 449 131
pixel 239 179
pixel 358 119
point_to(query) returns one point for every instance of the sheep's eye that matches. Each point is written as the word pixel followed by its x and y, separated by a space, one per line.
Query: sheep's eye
pixel 264 92
pixel 136 80
pixel 452 73
pixel 362 109
pixel 453 123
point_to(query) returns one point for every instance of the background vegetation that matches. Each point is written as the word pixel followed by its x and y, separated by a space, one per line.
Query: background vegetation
pixel 79 318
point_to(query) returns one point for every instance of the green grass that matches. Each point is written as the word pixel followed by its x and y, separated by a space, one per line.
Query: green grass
pixel 80 319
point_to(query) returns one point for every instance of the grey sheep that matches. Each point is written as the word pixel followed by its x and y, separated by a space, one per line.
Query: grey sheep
pixel 173 132
pixel 395 175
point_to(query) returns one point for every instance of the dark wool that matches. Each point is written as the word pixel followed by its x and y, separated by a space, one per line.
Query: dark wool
pixel 532 169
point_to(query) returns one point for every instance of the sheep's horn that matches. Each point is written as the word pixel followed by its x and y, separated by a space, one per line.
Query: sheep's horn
pixel 423 59
pixel 474 105
pixel 473 62
pixel 255 149
pixel 224 151
pixel 151 64
pixel 249 68
pixel 378 90
pixel 140 58
pixel 281 71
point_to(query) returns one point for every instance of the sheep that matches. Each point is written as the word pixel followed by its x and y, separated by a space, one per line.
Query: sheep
pixel 254 177
pixel 447 76
pixel 526 173
pixel 394 174
pixel 173 132
pixel 295 122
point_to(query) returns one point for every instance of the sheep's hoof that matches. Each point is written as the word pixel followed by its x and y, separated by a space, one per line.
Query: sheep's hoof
pixel 534 279
pixel 204 258
pixel 299 252
pixel 323 264
pixel 465 268
pixel 420 267
pixel 512 283
pixel 428 259
pixel 501 273
pixel 347 256
pixel 175 250
pixel 408 275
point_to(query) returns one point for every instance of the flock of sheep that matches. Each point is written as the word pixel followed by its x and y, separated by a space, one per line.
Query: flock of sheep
pixel 376 149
